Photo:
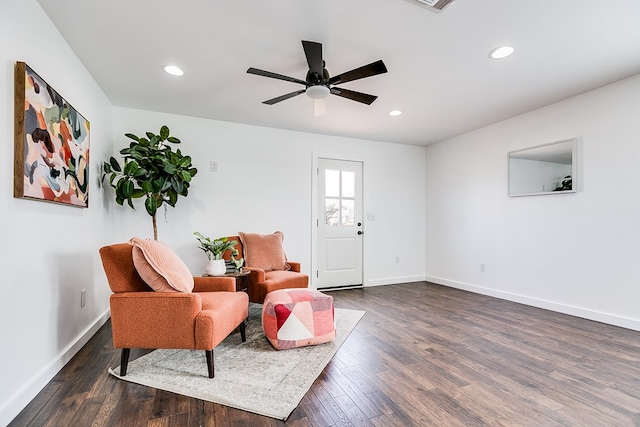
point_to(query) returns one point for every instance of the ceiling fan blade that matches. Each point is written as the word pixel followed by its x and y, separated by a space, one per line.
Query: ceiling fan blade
pixel 313 52
pixel 275 76
pixel 368 70
pixel 283 97
pixel 353 95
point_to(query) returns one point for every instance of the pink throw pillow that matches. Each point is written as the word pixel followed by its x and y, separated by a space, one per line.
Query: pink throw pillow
pixel 160 267
pixel 264 251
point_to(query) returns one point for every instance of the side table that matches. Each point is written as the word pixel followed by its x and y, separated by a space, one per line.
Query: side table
pixel 242 279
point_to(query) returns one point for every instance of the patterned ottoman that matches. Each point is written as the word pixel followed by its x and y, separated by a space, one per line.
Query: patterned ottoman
pixel 298 317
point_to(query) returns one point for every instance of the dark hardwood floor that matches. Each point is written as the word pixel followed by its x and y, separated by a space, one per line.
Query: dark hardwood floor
pixel 423 355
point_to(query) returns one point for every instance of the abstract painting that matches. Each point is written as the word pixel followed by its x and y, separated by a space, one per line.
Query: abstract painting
pixel 51 146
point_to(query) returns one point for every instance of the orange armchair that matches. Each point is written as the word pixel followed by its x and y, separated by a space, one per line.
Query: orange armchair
pixel 142 318
pixel 262 281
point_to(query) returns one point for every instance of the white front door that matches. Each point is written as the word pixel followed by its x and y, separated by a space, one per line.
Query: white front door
pixel 340 233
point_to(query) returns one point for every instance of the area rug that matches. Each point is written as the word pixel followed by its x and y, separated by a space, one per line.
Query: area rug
pixel 250 376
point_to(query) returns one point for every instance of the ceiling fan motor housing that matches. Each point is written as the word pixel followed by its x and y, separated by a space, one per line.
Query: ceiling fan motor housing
pixel 314 78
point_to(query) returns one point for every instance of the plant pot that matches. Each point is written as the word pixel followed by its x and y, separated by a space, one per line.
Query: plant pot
pixel 215 267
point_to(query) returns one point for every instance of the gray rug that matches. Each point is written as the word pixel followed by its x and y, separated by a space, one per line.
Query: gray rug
pixel 250 376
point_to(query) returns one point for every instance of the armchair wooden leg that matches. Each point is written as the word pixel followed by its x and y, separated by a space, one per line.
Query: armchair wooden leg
pixel 243 331
pixel 124 361
pixel 210 363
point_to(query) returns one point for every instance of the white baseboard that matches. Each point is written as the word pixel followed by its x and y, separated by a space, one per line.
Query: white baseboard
pixel 11 408
pixel 393 280
pixel 610 319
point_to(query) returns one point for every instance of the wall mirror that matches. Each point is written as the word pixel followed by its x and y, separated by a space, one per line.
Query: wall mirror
pixel 544 169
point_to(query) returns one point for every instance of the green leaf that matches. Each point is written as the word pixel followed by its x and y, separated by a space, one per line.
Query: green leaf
pixel 173 199
pixel 177 185
pixel 130 168
pixel 114 164
pixel 146 186
pixel 140 172
pixel 158 184
pixel 185 162
pixel 132 136
pixel 186 176
pixel 106 168
pixel 170 169
pixel 126 188
pixel 164 132
pixel 151 206
pixel 173 140
pixel 138 193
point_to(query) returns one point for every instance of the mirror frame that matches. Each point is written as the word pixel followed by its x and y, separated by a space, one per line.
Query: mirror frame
pixel 537 150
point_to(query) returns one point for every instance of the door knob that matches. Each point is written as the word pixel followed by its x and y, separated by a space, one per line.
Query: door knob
pixel 359 232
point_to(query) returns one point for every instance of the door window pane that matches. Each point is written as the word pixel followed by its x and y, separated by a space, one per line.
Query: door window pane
pixel 331 211
pixel 332 183
pixel 348 212
pixel 348 184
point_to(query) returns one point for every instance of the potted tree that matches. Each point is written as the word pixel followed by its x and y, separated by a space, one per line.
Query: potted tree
pixel 214 249
pixel 150 170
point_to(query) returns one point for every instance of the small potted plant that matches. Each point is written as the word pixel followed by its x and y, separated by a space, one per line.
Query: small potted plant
pixel 214 249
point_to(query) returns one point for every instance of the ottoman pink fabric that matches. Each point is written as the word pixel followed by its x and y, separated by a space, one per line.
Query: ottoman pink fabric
pixel 298 317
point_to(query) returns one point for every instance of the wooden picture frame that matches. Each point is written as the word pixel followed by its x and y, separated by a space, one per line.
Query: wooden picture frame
pixel 51 144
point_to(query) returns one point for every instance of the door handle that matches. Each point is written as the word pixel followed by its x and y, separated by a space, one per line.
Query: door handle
pixel 359 232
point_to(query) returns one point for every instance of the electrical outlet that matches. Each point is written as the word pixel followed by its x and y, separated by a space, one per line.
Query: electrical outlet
pixel 483 267
pixel 213 166
pixel 397 260
pixel 83 298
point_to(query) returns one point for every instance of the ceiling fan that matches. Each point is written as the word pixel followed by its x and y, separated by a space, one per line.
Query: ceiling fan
pixel 319 84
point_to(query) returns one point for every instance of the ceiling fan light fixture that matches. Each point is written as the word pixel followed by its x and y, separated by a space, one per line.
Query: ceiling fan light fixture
pixel 501 52
pixel 318 91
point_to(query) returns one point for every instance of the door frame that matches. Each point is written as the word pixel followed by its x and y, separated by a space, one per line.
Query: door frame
pixel 313 279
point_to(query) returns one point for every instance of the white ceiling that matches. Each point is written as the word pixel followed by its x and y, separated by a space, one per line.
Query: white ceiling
pixel 439 71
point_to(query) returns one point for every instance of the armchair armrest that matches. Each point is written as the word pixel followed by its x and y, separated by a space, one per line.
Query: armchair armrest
pixel 295 266
pixel 256 275
pixel 162 319
pixel 214 284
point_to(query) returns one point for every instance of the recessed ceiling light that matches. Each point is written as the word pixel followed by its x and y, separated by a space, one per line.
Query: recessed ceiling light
pixel 501 52
pixel 395 112
pixel 173 70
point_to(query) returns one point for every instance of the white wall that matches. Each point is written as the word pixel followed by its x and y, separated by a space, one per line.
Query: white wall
pixel 265 183
pixel 49 251
pixel 575 253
